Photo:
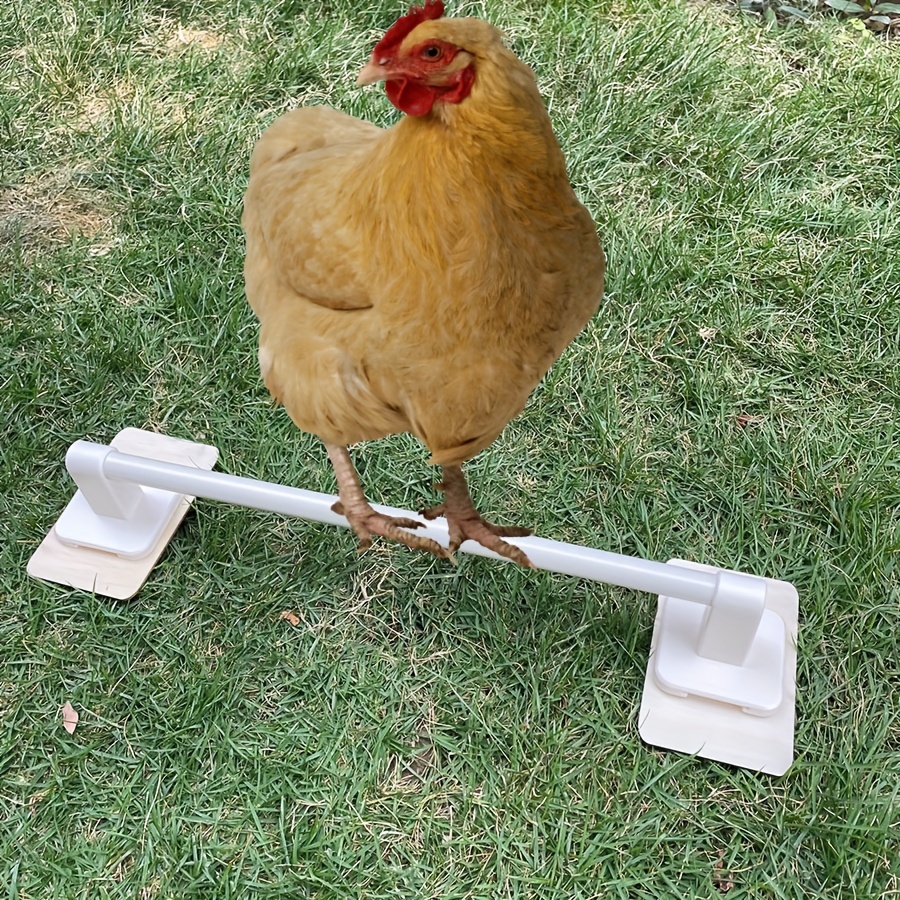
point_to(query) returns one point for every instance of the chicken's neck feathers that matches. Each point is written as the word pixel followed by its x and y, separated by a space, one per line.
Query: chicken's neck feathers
pixel 497 146
pixel 452 209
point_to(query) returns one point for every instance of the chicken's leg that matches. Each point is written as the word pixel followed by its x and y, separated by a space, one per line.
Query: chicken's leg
pixel 364 520
pixel 466 523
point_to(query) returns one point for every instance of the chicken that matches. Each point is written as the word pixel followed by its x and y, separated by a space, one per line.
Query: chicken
pixel 421 278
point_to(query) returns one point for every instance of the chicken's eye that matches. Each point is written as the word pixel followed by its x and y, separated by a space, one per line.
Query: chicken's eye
pixel 432 52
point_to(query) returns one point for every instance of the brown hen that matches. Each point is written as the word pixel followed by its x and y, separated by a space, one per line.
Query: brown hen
pixel 421 278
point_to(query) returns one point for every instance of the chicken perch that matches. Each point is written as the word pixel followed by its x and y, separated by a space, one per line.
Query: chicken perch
pixel 421 278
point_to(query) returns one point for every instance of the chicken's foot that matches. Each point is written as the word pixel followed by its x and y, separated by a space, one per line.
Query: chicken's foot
pixel 465 521
pixel 364 520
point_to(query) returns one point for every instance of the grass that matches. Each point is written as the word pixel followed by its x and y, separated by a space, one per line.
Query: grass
pixel 425 731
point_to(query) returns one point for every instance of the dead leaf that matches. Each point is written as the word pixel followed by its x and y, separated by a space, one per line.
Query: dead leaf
pixel 69 717
pixel 722 880
pixel 288 616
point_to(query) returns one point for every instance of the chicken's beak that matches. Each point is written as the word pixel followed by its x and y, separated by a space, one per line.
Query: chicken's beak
pixel 371 72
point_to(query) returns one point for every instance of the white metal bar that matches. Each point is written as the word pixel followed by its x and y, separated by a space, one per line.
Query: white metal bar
pixel 555 556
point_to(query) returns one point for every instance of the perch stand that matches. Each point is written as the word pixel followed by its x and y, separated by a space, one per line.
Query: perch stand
pixel 720 678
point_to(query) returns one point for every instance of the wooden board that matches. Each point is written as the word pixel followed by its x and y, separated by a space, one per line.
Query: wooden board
pixel 105 573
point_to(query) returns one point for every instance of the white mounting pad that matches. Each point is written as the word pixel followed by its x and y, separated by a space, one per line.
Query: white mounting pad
pixel 723 731
pixel 134 538
pixel 756 686
pixel 105 573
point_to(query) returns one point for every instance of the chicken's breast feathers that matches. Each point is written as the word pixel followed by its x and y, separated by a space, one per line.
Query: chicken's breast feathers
pixel 421 278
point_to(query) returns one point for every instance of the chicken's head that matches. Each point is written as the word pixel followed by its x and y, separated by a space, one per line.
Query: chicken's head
pixel 418 66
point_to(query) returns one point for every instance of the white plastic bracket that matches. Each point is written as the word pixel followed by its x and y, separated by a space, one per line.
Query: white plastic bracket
pixel 119 517
pixel 731 651
pixel 111 553
pixel 84 462
pixel 731 620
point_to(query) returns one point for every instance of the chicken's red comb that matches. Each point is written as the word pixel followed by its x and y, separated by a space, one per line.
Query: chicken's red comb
pixel 393 37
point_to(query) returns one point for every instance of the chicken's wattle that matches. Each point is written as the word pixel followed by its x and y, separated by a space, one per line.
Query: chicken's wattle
pixel 411 97
pixel 417 99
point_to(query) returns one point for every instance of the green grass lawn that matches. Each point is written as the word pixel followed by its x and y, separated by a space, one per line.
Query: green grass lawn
pixel 426 731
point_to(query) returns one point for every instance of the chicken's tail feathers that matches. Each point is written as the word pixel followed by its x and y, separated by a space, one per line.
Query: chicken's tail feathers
pixel 276 143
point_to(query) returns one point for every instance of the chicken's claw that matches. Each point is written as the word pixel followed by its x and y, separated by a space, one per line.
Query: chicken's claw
pixel 366 522
pixel 465 522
